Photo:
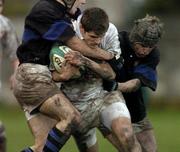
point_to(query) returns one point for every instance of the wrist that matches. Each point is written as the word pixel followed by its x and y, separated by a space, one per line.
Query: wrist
pixel 111 55
pixel 86 62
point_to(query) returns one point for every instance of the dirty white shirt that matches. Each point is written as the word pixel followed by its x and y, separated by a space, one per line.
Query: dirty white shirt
pixel 89 86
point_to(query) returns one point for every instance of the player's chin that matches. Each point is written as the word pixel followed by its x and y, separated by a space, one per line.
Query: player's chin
pixel 140 55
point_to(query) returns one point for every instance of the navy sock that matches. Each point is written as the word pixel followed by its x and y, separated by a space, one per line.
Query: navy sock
pixel 55 140
pixel 27 150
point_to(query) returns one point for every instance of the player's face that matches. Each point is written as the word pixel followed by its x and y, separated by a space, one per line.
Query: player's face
pixel 1 6
pixel 77 4
pixel 92 39
pixel 142 51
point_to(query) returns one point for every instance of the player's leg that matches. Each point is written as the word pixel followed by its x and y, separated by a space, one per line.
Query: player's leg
pixel 59 108
pixel 145 135
pixel 40 125
pixel 113 140
pixel 36 92
pixel 116 118
pixel 86 142
pixel 2 138
pixel 122 130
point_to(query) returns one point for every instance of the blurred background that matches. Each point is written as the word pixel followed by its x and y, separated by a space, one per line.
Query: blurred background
pixel 164 103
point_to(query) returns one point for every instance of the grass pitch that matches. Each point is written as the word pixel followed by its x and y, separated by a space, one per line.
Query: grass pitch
pixel 165 121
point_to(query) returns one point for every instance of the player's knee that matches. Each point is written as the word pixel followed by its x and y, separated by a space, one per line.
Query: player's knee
pixel 122 128
pixel 127 135
pixel 73 119
pixel 76 117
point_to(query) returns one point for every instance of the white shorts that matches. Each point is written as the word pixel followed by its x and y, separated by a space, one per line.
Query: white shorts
pixel 102 110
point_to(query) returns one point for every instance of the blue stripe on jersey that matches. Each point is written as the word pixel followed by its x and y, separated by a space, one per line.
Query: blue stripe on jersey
pixel 56 30
pixel 29 35
pixel 51 146
pixel 147 72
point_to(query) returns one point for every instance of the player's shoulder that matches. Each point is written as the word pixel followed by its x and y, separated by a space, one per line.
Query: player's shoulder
pixel 112 28
pixel 111 32
pixel 111 25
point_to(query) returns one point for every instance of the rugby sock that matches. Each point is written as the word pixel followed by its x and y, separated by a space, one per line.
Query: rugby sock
pixel 27 150
pixel 55 140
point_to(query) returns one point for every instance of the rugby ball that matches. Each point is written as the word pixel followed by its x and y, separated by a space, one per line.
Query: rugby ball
pixel 57 56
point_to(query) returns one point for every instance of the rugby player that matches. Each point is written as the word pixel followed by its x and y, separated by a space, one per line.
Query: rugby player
pixel 48 22
pixel 97 106
pixel 141 57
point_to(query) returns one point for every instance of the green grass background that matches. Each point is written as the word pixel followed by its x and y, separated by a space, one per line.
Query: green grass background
pixel 166 123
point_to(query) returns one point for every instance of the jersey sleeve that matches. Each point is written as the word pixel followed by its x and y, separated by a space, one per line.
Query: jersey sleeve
pixel 60 31
pixel 48 22
pixel 146 70
pixel 111 42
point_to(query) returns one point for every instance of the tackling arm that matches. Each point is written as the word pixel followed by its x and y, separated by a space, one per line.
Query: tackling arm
pixel 78 45
pixel 66 73
pixel 129 86
pixel 103 69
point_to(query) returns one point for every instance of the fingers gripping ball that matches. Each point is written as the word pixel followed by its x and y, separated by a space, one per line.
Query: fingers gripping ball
pixel 57 57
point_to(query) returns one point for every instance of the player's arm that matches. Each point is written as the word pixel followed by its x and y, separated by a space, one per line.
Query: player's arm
pixel 103 69
pixel 78 45
pixel 66 73
pixel 129 86
pixel 68 37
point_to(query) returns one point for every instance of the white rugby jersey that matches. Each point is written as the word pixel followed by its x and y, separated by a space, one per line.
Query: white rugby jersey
pixel 8 41
pixel 89 86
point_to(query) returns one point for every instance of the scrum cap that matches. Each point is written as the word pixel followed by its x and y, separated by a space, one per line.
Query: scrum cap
pixel 147 31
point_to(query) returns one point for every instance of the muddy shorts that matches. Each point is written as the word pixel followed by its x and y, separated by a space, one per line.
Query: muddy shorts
pixel 142 125
pixel 92 111
pixel 33 85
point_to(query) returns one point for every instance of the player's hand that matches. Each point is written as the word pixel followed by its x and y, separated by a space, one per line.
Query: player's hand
pixel 75 58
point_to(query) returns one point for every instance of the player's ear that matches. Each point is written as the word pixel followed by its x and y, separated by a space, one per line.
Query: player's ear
pixel 81 29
